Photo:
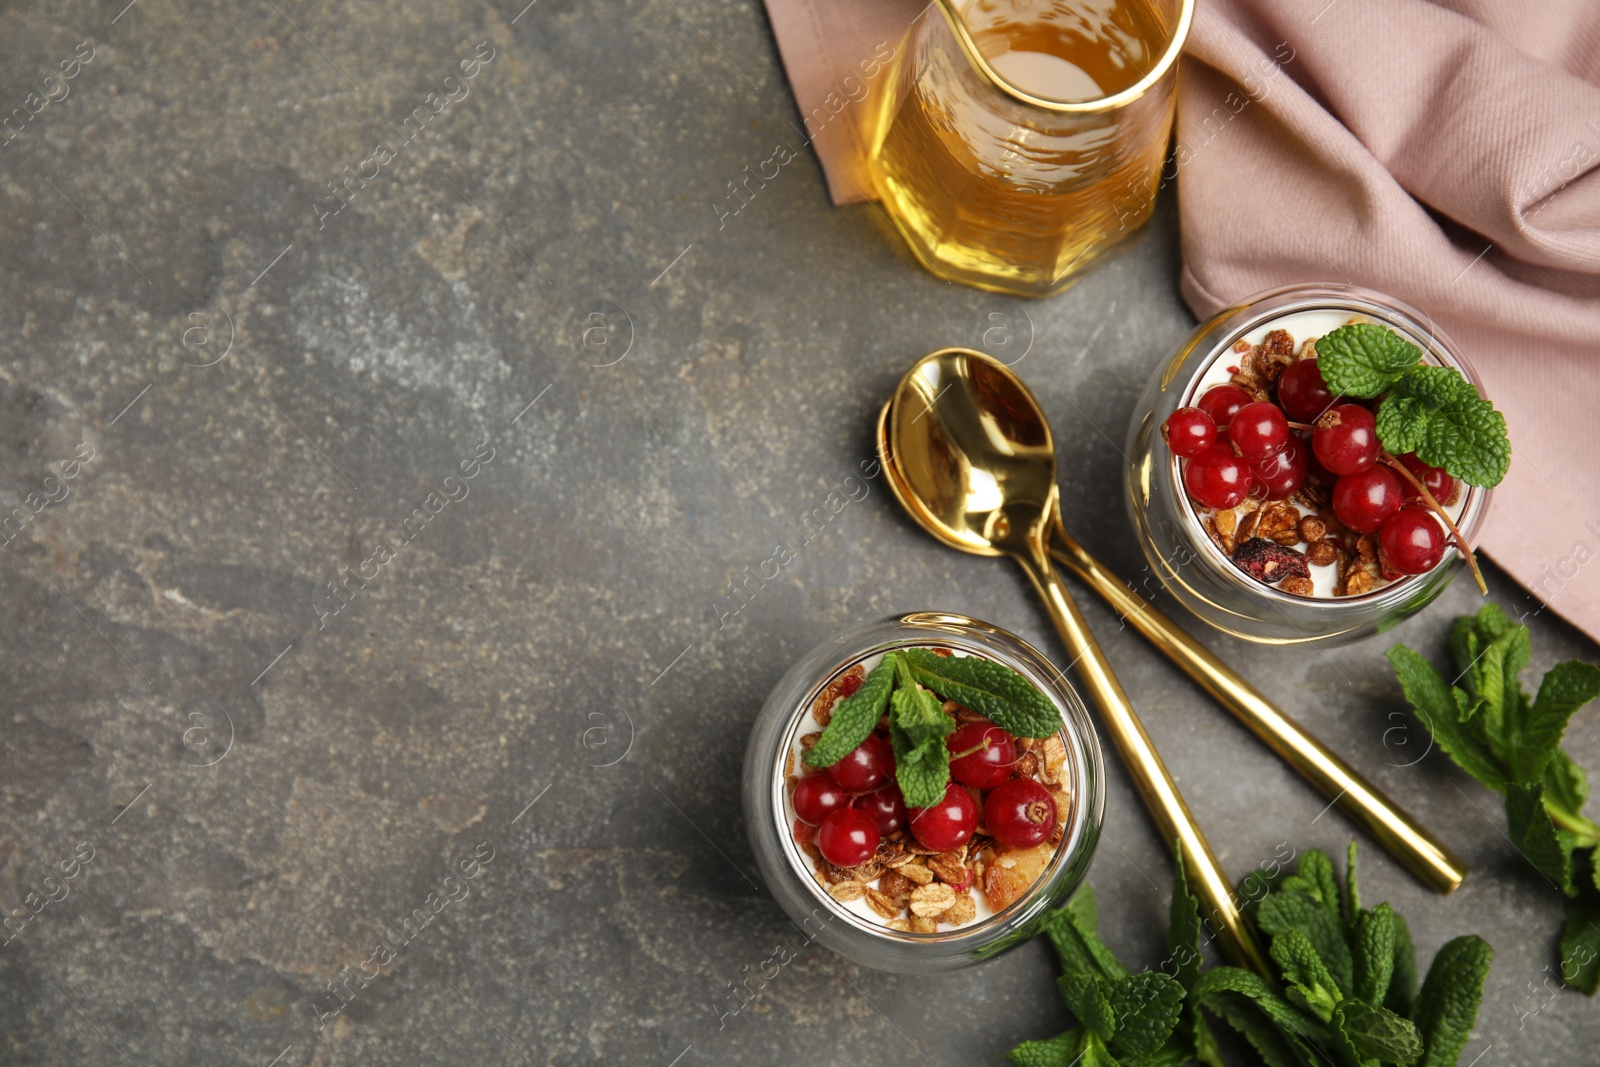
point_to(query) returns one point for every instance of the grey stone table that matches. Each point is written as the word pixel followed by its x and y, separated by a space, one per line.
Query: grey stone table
pixel 278 667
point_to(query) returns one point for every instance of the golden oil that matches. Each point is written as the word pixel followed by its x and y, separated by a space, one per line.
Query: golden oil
pixel 993 192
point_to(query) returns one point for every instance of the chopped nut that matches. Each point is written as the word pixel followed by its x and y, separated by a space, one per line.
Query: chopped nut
pixel 921 924
pixel 896 885
pixel 809 740
pixel 932 899
pixel 1367 547
pixel 1027 766
pixel 949 866
pixel 916 872
pixel 1322 553
pixel 964 910
pixel 1268 562
pixel 1308 349
pixel 1312 529
pixel 1298 586
pixel 1358 581
pixel 882 904
pixel 1280 522
pixel 847 891
pixel 1054 757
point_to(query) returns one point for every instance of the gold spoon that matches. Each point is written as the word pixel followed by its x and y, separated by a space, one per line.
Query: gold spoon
pixel 972 460
pixel 1421 853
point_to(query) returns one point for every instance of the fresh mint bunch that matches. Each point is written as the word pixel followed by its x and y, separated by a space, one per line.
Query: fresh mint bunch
pixel 1347 993
pixel 910 683
pixel 1512 744
pixel 1432 411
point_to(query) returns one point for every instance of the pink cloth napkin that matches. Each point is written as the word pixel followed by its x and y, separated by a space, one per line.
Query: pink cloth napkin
pixel 1446 153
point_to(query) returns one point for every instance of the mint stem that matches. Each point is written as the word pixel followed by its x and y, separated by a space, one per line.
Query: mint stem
pixel 1455 532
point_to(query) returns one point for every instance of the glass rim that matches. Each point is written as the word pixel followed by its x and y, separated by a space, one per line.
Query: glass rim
pixel 1096 106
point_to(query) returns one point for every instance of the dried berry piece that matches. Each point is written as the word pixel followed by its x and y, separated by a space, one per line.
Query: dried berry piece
pixel 1002 886
pixel 1268 562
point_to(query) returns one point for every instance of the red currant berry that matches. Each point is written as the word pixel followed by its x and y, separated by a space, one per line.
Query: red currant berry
pixel 1346 439
pixel 847 838
pixel 1020 813
pixel 865 767
pixel 1189 432
pixel 1217 479
pixel 816 796
pixel 884 807
pixel 1438 481
pixel 947 824
pixel 1302 392
pixel 1412 540
pixel 1259 430
pixel 1222 401
pixel 1281 475
pixel 1364 501
pixel 981 755
pixel 849 684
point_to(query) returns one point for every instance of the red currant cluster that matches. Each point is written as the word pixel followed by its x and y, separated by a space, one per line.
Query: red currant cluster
pixel 1236 446
pixel 855 803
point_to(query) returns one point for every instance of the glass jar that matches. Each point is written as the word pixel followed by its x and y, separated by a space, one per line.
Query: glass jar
pixel 788 871
pixel 1176 545
pixel 1017 139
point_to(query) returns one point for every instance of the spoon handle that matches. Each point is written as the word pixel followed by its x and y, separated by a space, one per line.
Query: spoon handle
pixel 1422 853
pixel 1156 787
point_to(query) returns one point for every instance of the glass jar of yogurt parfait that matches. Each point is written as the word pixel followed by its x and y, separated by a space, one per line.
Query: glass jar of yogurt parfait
pixel 921 890
pixel 1280 566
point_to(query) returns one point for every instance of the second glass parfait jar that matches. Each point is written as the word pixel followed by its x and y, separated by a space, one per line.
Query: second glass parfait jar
pixel 906 907
pixel 1019 138
pixel 1218 562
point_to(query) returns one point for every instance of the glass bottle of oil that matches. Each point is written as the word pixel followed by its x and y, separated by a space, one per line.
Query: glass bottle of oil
pixel 1012 172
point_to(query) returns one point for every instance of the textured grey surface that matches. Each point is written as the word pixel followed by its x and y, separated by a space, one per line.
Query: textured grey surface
pixel 168 612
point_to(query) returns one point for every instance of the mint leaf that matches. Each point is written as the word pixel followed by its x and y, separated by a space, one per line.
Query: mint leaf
pixel 854 717
pixel 1435 704
pixel 1448 1004
pixel 1403 986
pixel 1352 895
pixel 1276 1048
pixel 1445 422
pixel 1363 359
pixel 922 771
pixel 914 710
pixel 1378 1033
pixel 1374 953
pixel 1217 985
pixel 1566 688
pixel 1071 931
pixel 1311 986
pixel 1063 1050
pixel 1086 997
pixel 1184 929
pixel 1580 936
pixel 992 689
pixel 1534 835
pixel 1284 913
pixel 1493 679
pixel 1565 782
pixel 1146 1006
pixel 1402 424
pixel 1317 872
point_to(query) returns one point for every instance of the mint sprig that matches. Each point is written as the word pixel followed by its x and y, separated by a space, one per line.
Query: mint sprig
pixel 1432 411
pixel 1318 1012
pixel 910 683
pixel 1492 730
